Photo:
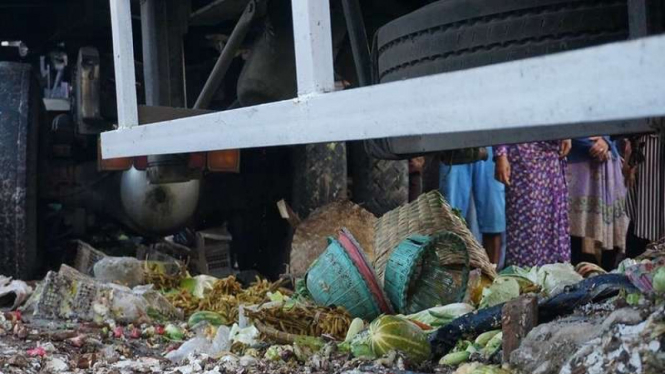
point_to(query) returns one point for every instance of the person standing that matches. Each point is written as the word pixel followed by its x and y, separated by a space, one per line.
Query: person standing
pixel 457 183
pixel 645 175
pixel 536 201
pixel 597 200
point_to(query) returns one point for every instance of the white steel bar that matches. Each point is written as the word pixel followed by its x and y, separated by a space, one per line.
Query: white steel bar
pixel 313 46
pixel 535 98
pixel 123 55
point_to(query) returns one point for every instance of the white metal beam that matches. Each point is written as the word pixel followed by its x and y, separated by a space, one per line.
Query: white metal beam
pixel 535 98
pixel 313 46
pixel 123 55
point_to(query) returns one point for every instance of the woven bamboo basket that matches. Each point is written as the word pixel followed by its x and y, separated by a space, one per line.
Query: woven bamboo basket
pixel 430 214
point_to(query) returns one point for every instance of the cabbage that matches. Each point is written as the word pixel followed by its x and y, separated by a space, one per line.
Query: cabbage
pixel 502 290
pixel 552 278
pixel 439 316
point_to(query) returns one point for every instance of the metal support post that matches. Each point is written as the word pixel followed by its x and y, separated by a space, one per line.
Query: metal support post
pixel 645 17
pixel 355 25
pixel 163 24
pixel 313 46
pixel 226 57
pixel 123 55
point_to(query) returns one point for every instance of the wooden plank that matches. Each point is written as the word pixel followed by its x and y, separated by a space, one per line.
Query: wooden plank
pixel 288 214
pixel 518 317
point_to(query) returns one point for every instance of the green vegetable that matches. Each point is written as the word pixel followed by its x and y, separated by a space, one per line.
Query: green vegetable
pixel 502 290
pixel 473 348
pixel 439 316
pixel 633 298
pixel 361 346
pixel 659 280
pixel 462 345
pixel 306 346
pixel 173 332
pixel 552 278
pixel 454 358
pixel 485 337
pixel 357 325
pixel 302 293
pixel 198 285
pixel 488 369
pixel 279 352
pixel 277 296
pixel 389 333
pixel 213 318
pixel 493 345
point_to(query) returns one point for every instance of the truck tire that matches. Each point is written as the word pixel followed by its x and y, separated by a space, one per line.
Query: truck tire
pixel 319 176
pixel 20 109
pixel 452 35
pixel 377 185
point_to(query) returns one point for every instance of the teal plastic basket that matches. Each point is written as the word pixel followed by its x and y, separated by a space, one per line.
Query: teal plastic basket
pixel 415 277
pixel 333 279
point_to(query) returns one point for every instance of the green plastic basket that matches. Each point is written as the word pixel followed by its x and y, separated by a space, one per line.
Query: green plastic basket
pixel 415 278
pixel 333 279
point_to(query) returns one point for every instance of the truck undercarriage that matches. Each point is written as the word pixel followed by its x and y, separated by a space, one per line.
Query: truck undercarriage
pixel 224 55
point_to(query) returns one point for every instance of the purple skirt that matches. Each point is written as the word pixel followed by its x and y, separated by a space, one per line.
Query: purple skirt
pixel 597 203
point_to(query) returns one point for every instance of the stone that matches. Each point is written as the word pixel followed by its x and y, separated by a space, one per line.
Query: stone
pixel 547 347
pixel 56 365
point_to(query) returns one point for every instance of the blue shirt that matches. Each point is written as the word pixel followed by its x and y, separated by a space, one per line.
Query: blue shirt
pixel 581 147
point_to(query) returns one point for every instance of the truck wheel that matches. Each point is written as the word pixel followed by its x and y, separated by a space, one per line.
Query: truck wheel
pixel 319 176
pixel 377 185
pixel 19 121
pixel 459 34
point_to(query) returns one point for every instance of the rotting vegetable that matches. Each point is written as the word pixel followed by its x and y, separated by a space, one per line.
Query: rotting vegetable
pixel 393 333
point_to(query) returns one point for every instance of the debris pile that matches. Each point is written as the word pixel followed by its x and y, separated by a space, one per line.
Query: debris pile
pixel 436 307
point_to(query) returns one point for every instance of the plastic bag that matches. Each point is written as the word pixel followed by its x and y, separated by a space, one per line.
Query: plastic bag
pixel 202 345
pixel 198 285
pixel 247 336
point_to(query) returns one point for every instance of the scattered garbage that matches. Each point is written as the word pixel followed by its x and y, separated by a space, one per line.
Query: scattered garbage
pixel 126 271
pixel 439 316
pixel 212 318
pixel 285 322
pixel 69 294
pixel 13 292
pixel 341 317
pixel 213 342
pixel 198 285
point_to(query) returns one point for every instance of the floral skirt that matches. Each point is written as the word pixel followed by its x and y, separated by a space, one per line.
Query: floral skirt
pixel 597 203
pixel 536 212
